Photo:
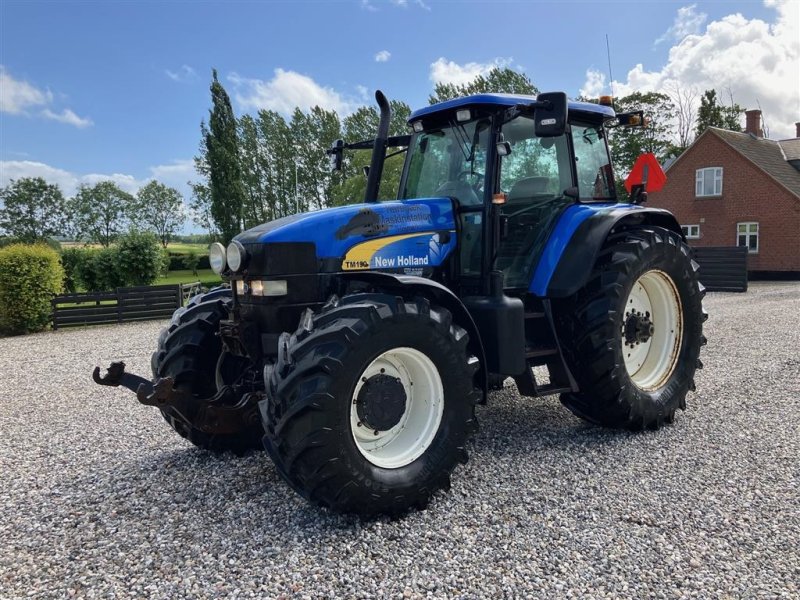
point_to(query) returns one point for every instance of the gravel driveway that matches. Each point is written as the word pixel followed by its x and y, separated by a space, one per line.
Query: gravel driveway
pixel 100 498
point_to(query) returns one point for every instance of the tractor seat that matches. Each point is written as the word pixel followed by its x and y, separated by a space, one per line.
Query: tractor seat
pixel 461 191
pixel 528 188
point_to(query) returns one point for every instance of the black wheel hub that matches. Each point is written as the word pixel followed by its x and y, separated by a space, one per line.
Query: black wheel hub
pixel 381 402
pixel 638 327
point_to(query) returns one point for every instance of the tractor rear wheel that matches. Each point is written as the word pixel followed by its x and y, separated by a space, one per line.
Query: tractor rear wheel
pixel 370 404
pixel 191 353
pixel 632 335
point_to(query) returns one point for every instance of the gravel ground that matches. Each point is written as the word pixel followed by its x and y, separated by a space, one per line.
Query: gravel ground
pixel 100 499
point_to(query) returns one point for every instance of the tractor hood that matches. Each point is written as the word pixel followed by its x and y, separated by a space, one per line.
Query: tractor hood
pixel 385 235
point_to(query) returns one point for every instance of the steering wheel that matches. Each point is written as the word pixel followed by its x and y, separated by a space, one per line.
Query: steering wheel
pixel 465 175
pixel 476 184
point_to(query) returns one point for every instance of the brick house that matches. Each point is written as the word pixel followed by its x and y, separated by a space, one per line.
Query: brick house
pixel 731 188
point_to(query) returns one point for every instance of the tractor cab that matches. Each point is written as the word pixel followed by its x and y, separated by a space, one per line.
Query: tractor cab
pixel 510 176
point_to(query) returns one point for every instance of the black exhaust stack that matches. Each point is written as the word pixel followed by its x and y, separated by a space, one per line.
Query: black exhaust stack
pixel 378 149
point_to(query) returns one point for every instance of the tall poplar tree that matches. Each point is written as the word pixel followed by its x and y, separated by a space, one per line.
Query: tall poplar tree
pixel 225 187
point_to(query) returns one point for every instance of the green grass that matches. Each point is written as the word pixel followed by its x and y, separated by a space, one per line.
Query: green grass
pixel 180 248
pixel 205 276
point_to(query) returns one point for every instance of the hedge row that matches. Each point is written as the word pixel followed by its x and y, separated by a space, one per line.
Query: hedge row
pixel 30 275
pixel 137 259
pixel 186 262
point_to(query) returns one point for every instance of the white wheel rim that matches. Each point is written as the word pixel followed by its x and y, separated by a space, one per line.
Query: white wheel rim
pixel 651 362
pixel 413 434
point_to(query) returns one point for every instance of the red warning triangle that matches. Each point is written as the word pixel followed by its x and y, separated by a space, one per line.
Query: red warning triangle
pixel 656 178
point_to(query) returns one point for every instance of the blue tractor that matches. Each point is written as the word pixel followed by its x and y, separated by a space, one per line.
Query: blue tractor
pixel 354 343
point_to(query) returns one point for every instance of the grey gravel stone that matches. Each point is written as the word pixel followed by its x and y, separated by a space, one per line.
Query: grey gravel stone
pixel 100 499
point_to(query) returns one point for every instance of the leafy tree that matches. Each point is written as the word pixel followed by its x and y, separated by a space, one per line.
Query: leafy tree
pixel 98 270
pixel 225 197
pixel 33 209
pixel 656 137
pixel 363 125
pixel 712 114
pixel 200 203
pixel 101 212
pixel 267 162
pixel 498 80
pixel 140 258
pixel 160 208
pixel 313 133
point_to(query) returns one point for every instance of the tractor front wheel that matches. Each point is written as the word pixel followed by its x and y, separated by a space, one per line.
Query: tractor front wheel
pixel 632 335
pixel 190 352
pixel 370 404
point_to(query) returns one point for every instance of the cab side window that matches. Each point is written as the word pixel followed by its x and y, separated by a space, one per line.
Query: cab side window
pixel 592 163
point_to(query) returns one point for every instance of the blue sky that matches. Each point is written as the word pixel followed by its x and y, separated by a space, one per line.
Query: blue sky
pixel 94 90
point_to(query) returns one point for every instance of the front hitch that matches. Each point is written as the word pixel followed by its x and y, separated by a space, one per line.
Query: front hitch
pixel 226 412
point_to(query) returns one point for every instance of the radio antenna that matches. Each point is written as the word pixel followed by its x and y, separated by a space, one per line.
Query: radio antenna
pixel 610 76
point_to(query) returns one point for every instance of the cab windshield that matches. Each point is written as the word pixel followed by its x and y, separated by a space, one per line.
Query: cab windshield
pixel 449 161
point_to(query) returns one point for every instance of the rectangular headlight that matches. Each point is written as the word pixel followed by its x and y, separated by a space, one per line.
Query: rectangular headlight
pixel 239 287
pixel 268 288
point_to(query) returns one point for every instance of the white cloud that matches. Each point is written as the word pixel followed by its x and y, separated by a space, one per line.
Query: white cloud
pixel 687 22
pixel 448 71
pixel 127 183
pixel 363 92
pixel 68 117
pixel 17 96
pixel 18 169
pixel 383 56
pixel 288 90
pixel 182 75
pixel 367 5
pixel 758 62
pixel 175 174
pixel 20 97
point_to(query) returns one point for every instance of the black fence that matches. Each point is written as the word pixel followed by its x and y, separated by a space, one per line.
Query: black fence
pixel 722 269
pixel 121 305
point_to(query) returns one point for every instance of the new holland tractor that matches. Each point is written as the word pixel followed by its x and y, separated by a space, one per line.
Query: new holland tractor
pixel 354 343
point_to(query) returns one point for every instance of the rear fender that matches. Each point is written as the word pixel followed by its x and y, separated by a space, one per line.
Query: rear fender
pixel 410 285
pixel 571 251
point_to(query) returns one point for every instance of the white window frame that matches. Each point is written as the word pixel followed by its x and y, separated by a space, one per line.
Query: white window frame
pixel 751 230
pixel 690 235
pixel 699 182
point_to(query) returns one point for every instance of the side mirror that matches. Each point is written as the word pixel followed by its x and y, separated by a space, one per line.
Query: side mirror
pixel 550 119
pixel 336 155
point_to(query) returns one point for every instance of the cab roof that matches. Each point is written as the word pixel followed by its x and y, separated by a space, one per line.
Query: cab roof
pixel 505 100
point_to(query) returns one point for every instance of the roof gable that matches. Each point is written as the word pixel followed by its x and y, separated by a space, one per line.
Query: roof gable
pixel 765 154
pixel 768 155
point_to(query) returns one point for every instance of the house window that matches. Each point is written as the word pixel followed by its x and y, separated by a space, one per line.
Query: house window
pixel 708 182
pixel 747 236
pixel 692 232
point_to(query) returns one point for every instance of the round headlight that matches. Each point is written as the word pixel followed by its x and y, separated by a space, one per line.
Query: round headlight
pixel 237 256
pixel 216 256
